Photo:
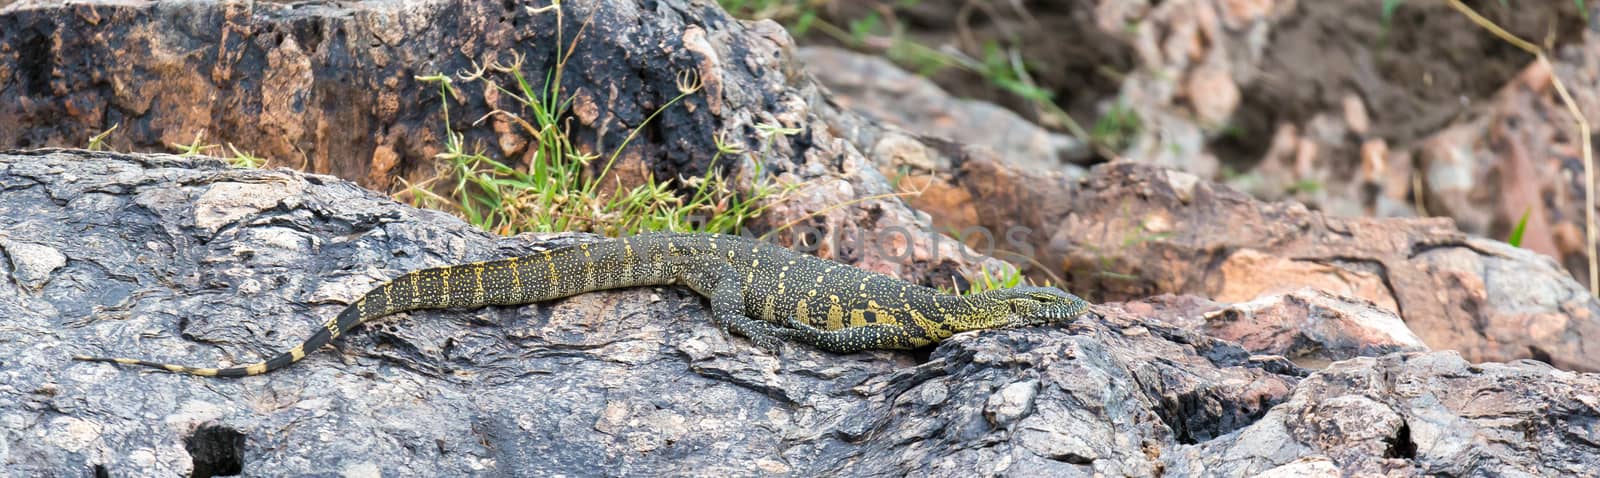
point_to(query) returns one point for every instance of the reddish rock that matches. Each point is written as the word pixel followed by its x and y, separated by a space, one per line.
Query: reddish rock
pixel 1126 231
pixel 1520 154
pixel 1312 327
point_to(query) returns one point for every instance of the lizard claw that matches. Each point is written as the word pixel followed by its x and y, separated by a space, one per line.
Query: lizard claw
pixel 797 325
pixel 769 342
pixel 785 334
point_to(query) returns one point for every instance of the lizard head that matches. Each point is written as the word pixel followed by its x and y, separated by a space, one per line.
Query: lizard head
pixel 1040 305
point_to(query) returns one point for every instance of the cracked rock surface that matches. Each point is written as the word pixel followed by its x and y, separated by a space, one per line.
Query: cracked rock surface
pixel 156 261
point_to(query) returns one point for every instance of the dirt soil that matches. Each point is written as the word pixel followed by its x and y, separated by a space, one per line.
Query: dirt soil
pixel 1423 71
pixel 1418 73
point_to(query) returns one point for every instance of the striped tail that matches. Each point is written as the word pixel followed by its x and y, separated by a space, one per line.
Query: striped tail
pixel 332 329
pixel 518 280
pixel 421 289
pixel 469 285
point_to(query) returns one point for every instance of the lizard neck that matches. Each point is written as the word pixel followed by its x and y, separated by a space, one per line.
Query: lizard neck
pixel 971 312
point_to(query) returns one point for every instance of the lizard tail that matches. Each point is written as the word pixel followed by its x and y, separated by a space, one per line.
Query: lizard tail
pixel 517 280
pixel 330 330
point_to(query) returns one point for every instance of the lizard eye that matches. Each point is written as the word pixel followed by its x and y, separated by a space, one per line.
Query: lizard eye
pixel 1048 298
pixel 1025 305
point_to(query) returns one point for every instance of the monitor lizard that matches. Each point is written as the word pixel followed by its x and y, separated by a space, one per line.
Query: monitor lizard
pixel 762 291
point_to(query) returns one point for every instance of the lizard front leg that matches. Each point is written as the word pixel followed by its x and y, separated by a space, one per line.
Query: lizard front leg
pixel 850 339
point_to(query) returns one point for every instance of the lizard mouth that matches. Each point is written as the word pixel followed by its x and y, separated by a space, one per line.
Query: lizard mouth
pixel 1048 316
pixel 1030 321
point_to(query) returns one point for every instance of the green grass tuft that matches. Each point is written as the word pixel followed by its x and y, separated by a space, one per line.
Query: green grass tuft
pixel 991 280
pixel 559 191
pixel 1117 128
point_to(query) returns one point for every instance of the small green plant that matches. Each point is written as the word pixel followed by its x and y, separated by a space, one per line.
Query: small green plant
pixel 245 159
pixel 1233 131
pixel 195 148
pixel 1106 256
pixel 1386 13
pixel 240 159
pixel 98 142
pixel 991 280
pixel 1005 68
pixel 1116 129
pixel 1308 186
pixel 1515 240
pixel 796 14
pixel 860 28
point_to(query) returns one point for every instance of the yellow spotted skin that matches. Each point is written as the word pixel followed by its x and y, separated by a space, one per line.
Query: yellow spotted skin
pixel 758 290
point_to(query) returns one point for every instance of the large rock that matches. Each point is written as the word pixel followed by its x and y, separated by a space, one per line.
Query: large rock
pixel 158 263
pixel 1416 415
pixel 1127 231
pixel 1144 230
pixel 1310 327
pixel 875 88
pixel 333 88
pixel 1518 155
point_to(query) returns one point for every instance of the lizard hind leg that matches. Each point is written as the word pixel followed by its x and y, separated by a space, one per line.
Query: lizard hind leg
pixel 726 292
